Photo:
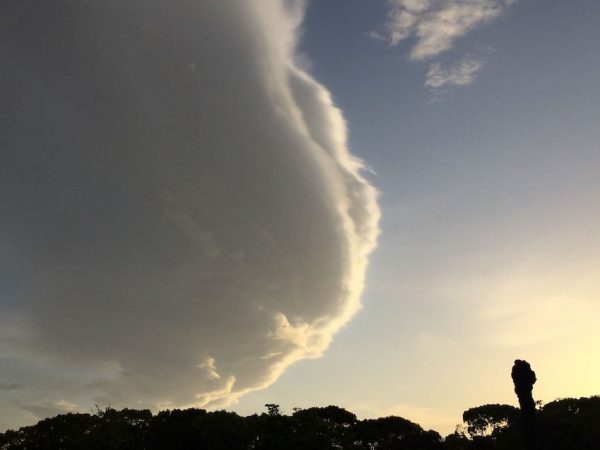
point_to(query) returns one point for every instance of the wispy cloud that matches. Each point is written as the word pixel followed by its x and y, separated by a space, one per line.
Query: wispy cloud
pixel 461 74
pixel 436 24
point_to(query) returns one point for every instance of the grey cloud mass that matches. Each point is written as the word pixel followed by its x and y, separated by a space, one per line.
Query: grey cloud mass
pixel 181 218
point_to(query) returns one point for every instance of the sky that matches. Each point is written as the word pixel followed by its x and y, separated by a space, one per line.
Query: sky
pixel 378 205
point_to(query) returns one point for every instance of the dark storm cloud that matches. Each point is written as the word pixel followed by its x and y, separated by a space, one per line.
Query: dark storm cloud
pixel 179 208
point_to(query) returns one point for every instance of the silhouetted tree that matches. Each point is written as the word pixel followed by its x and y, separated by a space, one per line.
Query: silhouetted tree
pixel 123 429
pixel 524 379
pixel 222 430
pixel 271 431
pixel 273 409
pixel 396 433
pixel 325 428
pixel 565 424
pixel 456 441
pixel 176 429
pixel 65 431
pixel 570 423
pixel 490 420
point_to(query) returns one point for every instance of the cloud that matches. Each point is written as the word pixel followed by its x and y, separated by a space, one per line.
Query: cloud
pixel 436 24
pixel 182 219
pixel 49 408
pixel 461 74
pixel 10 386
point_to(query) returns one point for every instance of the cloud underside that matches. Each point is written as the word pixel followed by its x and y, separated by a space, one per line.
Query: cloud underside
pixel 436 24
pixel 182 219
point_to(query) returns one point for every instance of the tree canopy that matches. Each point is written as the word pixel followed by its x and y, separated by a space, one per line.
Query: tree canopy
pixel 565 424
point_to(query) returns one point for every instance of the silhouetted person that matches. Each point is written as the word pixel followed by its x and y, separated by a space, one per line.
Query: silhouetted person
pixel 524 379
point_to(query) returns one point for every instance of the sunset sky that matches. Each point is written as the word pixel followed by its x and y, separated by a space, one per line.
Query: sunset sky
pixel 374 204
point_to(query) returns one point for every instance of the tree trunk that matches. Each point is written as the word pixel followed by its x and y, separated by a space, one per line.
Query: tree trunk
pixel 524 379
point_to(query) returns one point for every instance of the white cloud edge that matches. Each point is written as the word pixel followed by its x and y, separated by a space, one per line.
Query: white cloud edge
pixel 311 340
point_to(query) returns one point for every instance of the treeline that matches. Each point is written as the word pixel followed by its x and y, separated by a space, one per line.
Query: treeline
pixel 567 424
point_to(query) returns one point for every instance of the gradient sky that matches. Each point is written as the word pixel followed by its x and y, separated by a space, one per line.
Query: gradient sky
pixel 490 197
pixel 216 226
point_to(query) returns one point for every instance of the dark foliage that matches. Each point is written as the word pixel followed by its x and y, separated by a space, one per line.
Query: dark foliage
pixel 566 424
pixel 524 378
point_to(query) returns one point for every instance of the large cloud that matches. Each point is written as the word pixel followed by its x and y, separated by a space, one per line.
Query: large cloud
pixel 181 218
